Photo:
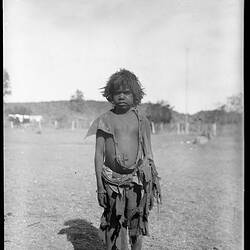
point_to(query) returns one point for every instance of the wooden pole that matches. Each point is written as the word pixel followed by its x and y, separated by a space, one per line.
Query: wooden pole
pixel 214 129
pixel 73 125
pixel 153 127
pixel 186 93
pixel 178 128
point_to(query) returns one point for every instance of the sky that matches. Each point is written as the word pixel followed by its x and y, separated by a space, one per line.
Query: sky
pixel 185 52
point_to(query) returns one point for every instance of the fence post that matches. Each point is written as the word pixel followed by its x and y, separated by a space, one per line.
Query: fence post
pixel 73 125
pixel 187 128
pixel 182 128
pixel 153 127
pixel 40 125
pixel 214 129
pixel 161 126
pixel 178 128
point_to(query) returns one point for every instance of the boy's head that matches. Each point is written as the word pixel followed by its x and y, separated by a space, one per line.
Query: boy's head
pixel 126 80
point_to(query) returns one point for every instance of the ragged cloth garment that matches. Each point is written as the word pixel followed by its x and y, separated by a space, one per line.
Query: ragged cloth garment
pixel 130 196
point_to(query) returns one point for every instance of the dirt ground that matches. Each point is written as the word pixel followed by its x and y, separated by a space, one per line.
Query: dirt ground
pixel 50 192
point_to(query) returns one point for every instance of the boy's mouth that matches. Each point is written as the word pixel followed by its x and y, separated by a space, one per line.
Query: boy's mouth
pixel 122 103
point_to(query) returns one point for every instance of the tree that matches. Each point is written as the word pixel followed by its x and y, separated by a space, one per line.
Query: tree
pixel 159 112
pixel 77 101
pixel 6 83
pixel 235 103
pixel 78 96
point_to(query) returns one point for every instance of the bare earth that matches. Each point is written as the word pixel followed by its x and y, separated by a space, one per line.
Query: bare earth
pixel 50 192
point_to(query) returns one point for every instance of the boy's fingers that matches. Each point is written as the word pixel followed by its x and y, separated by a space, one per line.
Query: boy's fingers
pixel 105 199
pixel 102 200
pixel 101 203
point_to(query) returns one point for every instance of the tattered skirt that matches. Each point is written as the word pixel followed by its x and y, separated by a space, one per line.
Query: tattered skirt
pixel 125 211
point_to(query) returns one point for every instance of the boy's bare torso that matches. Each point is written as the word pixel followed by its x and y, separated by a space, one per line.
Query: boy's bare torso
pixel 126 130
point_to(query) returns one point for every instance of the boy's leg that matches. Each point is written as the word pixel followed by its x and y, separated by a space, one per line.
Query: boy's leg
pixel 134 196
pixel 120 242
pixel 123 237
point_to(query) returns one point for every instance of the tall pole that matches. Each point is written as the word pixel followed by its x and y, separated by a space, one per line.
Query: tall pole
pixel 186 90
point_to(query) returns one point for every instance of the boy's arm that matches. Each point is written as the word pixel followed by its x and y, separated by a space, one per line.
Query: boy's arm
pixel 99 158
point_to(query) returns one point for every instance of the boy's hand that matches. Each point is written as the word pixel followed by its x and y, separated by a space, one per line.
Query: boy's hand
pixel 102 199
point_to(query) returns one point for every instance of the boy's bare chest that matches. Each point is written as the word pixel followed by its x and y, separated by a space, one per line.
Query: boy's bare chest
pixel 125 124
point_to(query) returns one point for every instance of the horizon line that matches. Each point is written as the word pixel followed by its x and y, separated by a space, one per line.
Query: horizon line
pixel 29 102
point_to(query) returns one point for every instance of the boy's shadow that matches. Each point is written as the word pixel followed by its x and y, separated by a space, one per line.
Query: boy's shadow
pixel 82 235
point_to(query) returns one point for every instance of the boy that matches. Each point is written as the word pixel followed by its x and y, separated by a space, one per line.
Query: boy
pixel 127 180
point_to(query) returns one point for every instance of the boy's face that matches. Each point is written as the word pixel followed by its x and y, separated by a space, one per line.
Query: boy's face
pixel 123 98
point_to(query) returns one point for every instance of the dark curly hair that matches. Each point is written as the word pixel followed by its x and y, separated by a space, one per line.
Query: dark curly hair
pixel 127 79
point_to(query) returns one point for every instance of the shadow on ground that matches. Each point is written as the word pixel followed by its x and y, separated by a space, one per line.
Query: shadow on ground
pixel 82 234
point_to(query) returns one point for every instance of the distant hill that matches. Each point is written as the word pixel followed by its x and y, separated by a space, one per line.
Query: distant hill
pixel 53 108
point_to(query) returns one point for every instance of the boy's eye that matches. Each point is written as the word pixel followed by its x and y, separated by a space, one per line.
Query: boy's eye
pixel 128 92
